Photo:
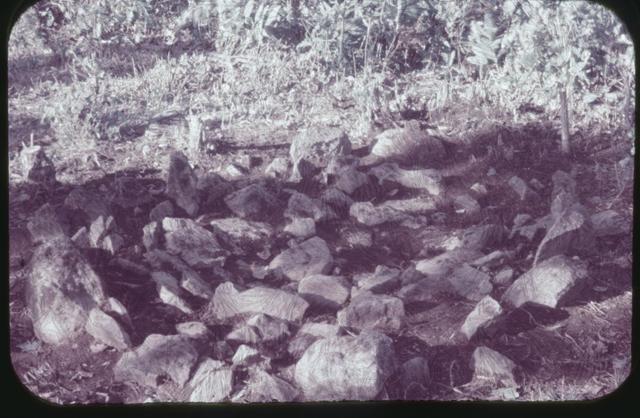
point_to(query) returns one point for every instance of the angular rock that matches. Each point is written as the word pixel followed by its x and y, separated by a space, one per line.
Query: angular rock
pixel 546 283
pixel 228 302
pixel 81 238
pixel 234 171
pixel 267 328
pixel 93 204
pixel 197 246
pixel 312 149
pixel 329 292
pixel 420 205
pixel 301 227
pixel 426 179
pixel 370 215
pixel 440 326
pixel 242 233
pixel 570 233
pixel 346 368
pixel 320 329
pixel 262 387
pixel 609 223
pixel 212 189
pixel 61 290
pixel 336 199
pixel 182 183
pixel 414 379
pixel 169 291
pixel 349 180
pixel 39 167
pixel 106 330
pixel 192 283
pixel 299 344
pixel 383 280
pixel 45 225
pixel 503 277
pixel 278 168
pixel 112 243
pixel 408 145
pixel 369 311
pixel 522 189
pixel 487 309
pixel 563 183
pixel 492 367
pixel 212 382
pixel 310 257
pixel 245 355
pixel 470 283
pixel 192 329
pixel 160 211
pixel 356 237
pixel 466 205
pixel 99 229
pixel 254 202
pixel 426 290
pixel 151 235
pixel 482 237
pixel 302 206
pixel 171 355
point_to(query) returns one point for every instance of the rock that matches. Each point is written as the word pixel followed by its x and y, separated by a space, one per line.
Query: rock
pixel 93 204
pixel 470 283
pixel 370 215
pixel 570 233
pixel 320 329
pixel 112 243
pixel 228 302
pixel 302 206
pixel 132 129
pixel 197 246
pixel 301 227
pixel 212 382
pixel 441 265
pixel 482 237
pixel 369 311
pixel 151 234
pixel 169 292
pixel 81 238
pixel 408 145
pixel 262 387
pixel 547 283
pixel 313 148
pixel 503 277
pixel 234 171
pixel 349 180
pixel 536 184
pixel 414 379
pixel 278 168
pixel 609 223
pixel 106 330
pixel 160 211
pixel 242 233
pixel 310 257
pixel 298 345
pixel 521 219
pixel 493 367
pixel 383 280
pixel 487 309
pixel 212 189
pixel 522 189
pixel 491 260
pixel 427 290
pixel 45 225
pixel 336 199
pixel 420 205
pixel 563 183
pixel 61 290
pixel 192 283
pixel 254 202
pixel 192 329
pixel 182 183
pixel 427 179
pixel 260 328
pixel 479 188
pixel 466 205
pixel 171 355
pixel 346 368
pixel 356 237
pixel 99 229
pixel 245 355
pixel 322 291
pixel 41 169
pixel 440 326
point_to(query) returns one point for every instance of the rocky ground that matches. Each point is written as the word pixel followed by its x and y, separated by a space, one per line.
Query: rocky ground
pixel 313 267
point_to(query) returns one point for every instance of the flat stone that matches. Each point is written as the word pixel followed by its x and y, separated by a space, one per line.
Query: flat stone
pixel 492 367
pixel 310 257
pixel 547 283
pixel 382 280
pixel 254 202
pixel 301 227
pixel 182 183
pixel 106 330
pixel 171 355
pixel 160 211
pixel 192 329
pixel 192 283
pixel 212 382
pixel 323 291
pixel 197 246
pixel 228 302
pixel 61 290
pixel 346 368
pixel 440 266
pixel 369 311
pixel 470 283
pixel 487 309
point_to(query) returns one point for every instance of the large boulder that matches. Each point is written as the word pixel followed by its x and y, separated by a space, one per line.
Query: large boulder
pixel 313 148
pixel 105 329
pixel 197 246
pixel 487 309
pixel 61 291
pixel 310 257
pixel 171 355
pixel 182 183
pixel 547 283
pixel 346 368
pixel 212 382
